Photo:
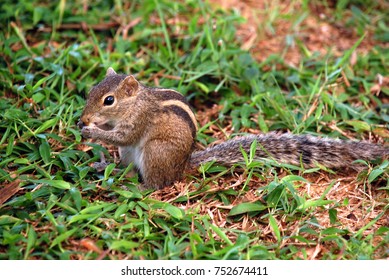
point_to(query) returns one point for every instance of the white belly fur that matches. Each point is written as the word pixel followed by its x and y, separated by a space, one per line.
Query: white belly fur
pixel 133 154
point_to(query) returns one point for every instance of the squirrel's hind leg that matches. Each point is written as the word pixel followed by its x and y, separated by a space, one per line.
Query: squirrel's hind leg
pixel 166 168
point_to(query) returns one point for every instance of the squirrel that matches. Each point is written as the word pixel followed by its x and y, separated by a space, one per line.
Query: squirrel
pixel 155 128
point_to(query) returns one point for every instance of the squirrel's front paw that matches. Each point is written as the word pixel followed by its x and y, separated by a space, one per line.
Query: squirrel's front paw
pixel 88 131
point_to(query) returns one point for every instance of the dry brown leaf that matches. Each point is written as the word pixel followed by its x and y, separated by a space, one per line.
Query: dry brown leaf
pixel 90 245
pixel 8 191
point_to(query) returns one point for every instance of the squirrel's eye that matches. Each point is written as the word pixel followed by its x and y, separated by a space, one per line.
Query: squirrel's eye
pixel 109 100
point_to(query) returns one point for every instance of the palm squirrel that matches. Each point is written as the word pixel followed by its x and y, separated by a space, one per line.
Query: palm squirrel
pixel 155 129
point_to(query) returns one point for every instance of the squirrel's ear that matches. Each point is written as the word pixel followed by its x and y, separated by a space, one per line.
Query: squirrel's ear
pixel 110 72
pixel 130 85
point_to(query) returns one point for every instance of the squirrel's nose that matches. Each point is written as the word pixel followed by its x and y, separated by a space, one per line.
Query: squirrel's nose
pixel 80 124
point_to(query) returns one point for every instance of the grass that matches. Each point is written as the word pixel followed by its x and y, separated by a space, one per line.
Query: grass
pixel 57 207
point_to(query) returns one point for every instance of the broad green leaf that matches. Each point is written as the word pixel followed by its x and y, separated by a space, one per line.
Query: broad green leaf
pixel 174 211
pixel 146 226
pixel 313 203
pixel 221 234
pixel 382 230
pixel 333 213
pixel 120 211
pixel 47 124
pixel 253 150
pixel 293 178
pixel 21 161
pixel 83 217
pixel 108 170
pixel 359 125
pixel 374 174
pixel 123 245
pixel 139 211
pixel 246 207
pixel 45 151
pixel 128 194
pixel 60 184
pixel 6 219
pixel 38 97
pixel 31 239
pixel 63 236
pixel 10 145
pixel 275 228
pixel 77 198
pixel 96 208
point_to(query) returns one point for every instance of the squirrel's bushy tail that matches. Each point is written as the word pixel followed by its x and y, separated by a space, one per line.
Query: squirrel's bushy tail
pixel 293 149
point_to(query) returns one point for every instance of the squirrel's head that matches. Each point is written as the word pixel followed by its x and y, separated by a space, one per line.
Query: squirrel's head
pixel 108 101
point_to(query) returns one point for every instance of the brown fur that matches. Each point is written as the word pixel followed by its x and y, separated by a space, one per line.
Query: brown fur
pixel 157 138
pixel 155 129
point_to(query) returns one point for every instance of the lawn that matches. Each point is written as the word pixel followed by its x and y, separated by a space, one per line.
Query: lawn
pixel 305 67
